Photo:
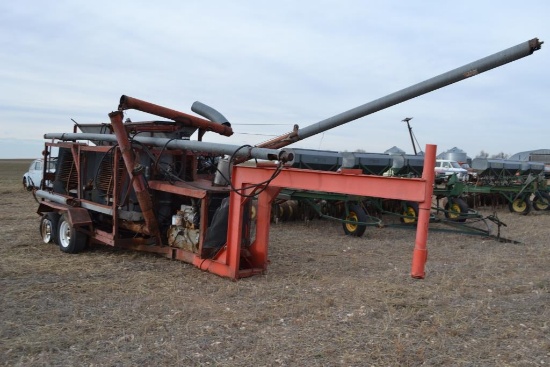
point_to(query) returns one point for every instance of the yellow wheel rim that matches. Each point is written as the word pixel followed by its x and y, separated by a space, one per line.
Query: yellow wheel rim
pixel 454 211
pixel 350 226
pixel 409 215
pixel 542 204
pixel 519 205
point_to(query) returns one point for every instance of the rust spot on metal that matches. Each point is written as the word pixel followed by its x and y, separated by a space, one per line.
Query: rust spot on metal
pixel 535 44
pixel 471 73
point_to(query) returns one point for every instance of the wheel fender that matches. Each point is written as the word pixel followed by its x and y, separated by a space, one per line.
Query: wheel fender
pixel 79 217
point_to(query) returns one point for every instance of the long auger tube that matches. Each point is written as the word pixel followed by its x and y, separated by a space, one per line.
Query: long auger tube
pixel 450 77
pixel 242 152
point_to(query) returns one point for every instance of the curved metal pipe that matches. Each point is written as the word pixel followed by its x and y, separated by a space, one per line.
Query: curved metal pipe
pixel 127 103
pixel 209 113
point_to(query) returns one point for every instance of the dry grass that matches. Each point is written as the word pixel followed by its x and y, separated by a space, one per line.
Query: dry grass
pixel 327 299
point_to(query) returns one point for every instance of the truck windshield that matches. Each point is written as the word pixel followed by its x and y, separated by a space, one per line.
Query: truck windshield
pixel 455 165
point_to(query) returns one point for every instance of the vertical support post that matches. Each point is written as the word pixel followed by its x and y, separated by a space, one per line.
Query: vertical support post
pixel 234 232
pixel 420 253
pixel 259 249
pixel 75 151
pixel 138 181
pixel 116 193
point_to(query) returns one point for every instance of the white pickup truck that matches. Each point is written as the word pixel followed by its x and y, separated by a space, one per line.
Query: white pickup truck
pixel 448 168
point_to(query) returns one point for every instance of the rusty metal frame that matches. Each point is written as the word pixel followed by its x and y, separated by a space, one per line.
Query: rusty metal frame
pixel 227 263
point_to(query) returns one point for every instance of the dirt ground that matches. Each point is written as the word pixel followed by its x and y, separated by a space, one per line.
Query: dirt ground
pixel 326 300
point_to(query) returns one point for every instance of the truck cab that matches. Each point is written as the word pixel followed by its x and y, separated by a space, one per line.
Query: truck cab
pixel 448 168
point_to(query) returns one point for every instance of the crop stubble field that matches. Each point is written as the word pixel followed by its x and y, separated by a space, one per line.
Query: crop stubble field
pixel 326 300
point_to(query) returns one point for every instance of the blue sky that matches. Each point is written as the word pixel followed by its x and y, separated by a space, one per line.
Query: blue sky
pixel 267 65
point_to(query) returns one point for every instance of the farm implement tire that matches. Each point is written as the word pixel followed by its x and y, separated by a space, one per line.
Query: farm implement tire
pixel 521 205
pixel 356 214
pixel 541 203
pixel 456 210
pixel 69 239
pixel 48 227
pixel 409 212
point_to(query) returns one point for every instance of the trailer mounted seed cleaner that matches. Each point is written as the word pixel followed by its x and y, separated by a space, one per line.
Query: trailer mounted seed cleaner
pixel 147 186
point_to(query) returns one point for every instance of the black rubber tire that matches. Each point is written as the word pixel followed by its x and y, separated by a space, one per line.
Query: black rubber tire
pixel 521 205
pixel 456 210
pixel 356 214
pixel 26 185
pixel 409 212
pixel 69 239
pixel 545 194
pixel 49 224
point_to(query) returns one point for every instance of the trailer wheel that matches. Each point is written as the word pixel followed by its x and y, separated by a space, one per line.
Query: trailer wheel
pixel 48 227
pixel 456 210
pixel 69 239
pixel 521 205
pixel 356 214
pixel 409 212
pixel 541 202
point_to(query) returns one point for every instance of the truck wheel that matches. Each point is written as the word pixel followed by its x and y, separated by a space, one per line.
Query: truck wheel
pixel 69 239
pixel 356 214
pixel 48 227
pixel 456 210
pixel 26 185
pixel 409 212
pixel 520 205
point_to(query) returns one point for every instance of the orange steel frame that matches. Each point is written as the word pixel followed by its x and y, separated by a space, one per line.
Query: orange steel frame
pixel 227 262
